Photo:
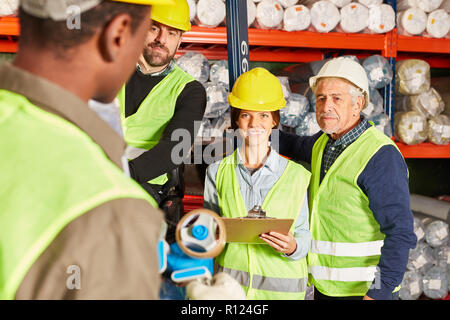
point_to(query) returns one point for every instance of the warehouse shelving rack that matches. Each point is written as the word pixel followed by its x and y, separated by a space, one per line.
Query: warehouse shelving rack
pixel 295 47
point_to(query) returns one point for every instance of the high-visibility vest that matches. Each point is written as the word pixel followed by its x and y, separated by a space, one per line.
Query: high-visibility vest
pixel 346 239
pixel 51 173
pixel 264 273
pixel 144 128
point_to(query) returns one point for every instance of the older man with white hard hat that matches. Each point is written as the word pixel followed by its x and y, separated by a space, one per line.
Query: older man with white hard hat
pixel 360 220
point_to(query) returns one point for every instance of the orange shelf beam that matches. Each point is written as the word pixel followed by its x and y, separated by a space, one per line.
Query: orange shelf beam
pixel 422 44
pixel 424 150
pixel 9 26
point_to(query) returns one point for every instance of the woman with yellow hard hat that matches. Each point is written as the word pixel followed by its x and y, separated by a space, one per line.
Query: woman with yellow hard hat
pixel 256 175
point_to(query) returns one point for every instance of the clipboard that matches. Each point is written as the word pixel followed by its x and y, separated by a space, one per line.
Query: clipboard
pixel 247 230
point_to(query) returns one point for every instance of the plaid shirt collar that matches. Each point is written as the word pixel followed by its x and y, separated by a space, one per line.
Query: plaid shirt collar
pixel 350 136
pixel 163 72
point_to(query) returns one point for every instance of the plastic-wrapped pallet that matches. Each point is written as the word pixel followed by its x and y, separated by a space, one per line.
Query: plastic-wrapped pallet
pixel 442 255
pixel 210 13
pixel 287 3
pixel 421 258
pixel 192 9
pixel 412 21
pixel 429 103
pixel 412 286
pixel 216 99
pixel 195 64
pixel 381 18
pixel 436 233
pixel 296 18
pixel 219 72
pixel 410 127
pixel 251 12
pixel 438 24
pixel 439 129
pixel 419 229
pixel 375 105
pixel 425 5
pixel 435 283
pixel 284 81
pixel 412 76
pixel 269 14
pixel 296 108
pixel 382 123
pixel 369 3
pixel 325 16
pixel 378 70
pixel 308 125
pixel 354 18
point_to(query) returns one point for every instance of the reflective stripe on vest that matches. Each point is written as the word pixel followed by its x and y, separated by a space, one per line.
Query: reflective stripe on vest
pixel 346 238
pixel 268 275
pixel 55 172
pixel 342 249
pixel 267 283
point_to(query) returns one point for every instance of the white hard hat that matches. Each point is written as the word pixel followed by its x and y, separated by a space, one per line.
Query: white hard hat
pixel 345 68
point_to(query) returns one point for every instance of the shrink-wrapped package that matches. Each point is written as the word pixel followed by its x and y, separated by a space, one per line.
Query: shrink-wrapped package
pixel 251 12
pixel 284 81
pixel 369 3
pixel 429 103
pixel 438 24
pixel 308 126
pixel 412 76
pixel 325 16
pixel 192 9
pixel 425 5
pixel 269 14
pixel 378 70
pixel 412 286
pixel 216 99
pixel 419 229
pixel 375 105
pixel 435 283
pixel 287 3
pixel 412 21
pixel 439 130
pixel 410 127
pixel 421 258
pixel 381 18
pixel 354 18
pixel 382 123
pixel 219 72
pixel 195 64
pixel 296 108
pixel 436 233
pixel 210 13
pixel 340 3
pixel 296 18
pixel 8 7
pixel 442 255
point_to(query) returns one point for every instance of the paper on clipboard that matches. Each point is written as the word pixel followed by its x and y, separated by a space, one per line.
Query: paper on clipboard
pixel 247 230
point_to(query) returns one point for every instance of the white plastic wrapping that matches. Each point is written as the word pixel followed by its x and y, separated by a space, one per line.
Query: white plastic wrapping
pixel 425 5
pixel 436 233
pixel 421 258
pixel 354 18
pixel 8 7
pixel 219 72
pixel 325 16
pixel 412 286
pixel 369 3
pixel 192 9
pixel 438 24
pixel 442 255
pixel 210 13
pixel 308 126
pixel 435 283
pixel 410 127
pixel 429 103
pixel 375 105
pixel 284 81
pixel 419 229
pixel 296 108
pixel 195 64
pixel 439 129
pixel 382 123
pixel 269 14
pixel 378 70
pixel 287 3
pixel 296 18
pixel 412 21
pixel 340 3
pixel 381 18
pixel 216 100
pixel 412 76
pixel 251 12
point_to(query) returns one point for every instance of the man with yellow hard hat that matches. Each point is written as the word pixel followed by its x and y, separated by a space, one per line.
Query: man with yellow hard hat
pixel 72 225
pixel 158 99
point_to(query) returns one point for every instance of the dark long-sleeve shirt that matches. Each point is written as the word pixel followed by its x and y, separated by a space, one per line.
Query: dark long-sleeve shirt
pixel 190 106
pixel 384 180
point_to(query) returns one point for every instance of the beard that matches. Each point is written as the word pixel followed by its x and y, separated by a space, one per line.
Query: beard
pixel 325 128
pixel 157 59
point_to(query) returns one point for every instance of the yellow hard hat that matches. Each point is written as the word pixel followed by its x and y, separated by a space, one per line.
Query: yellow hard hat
pixel 148 2
pixel 175 16
pixel 257 90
